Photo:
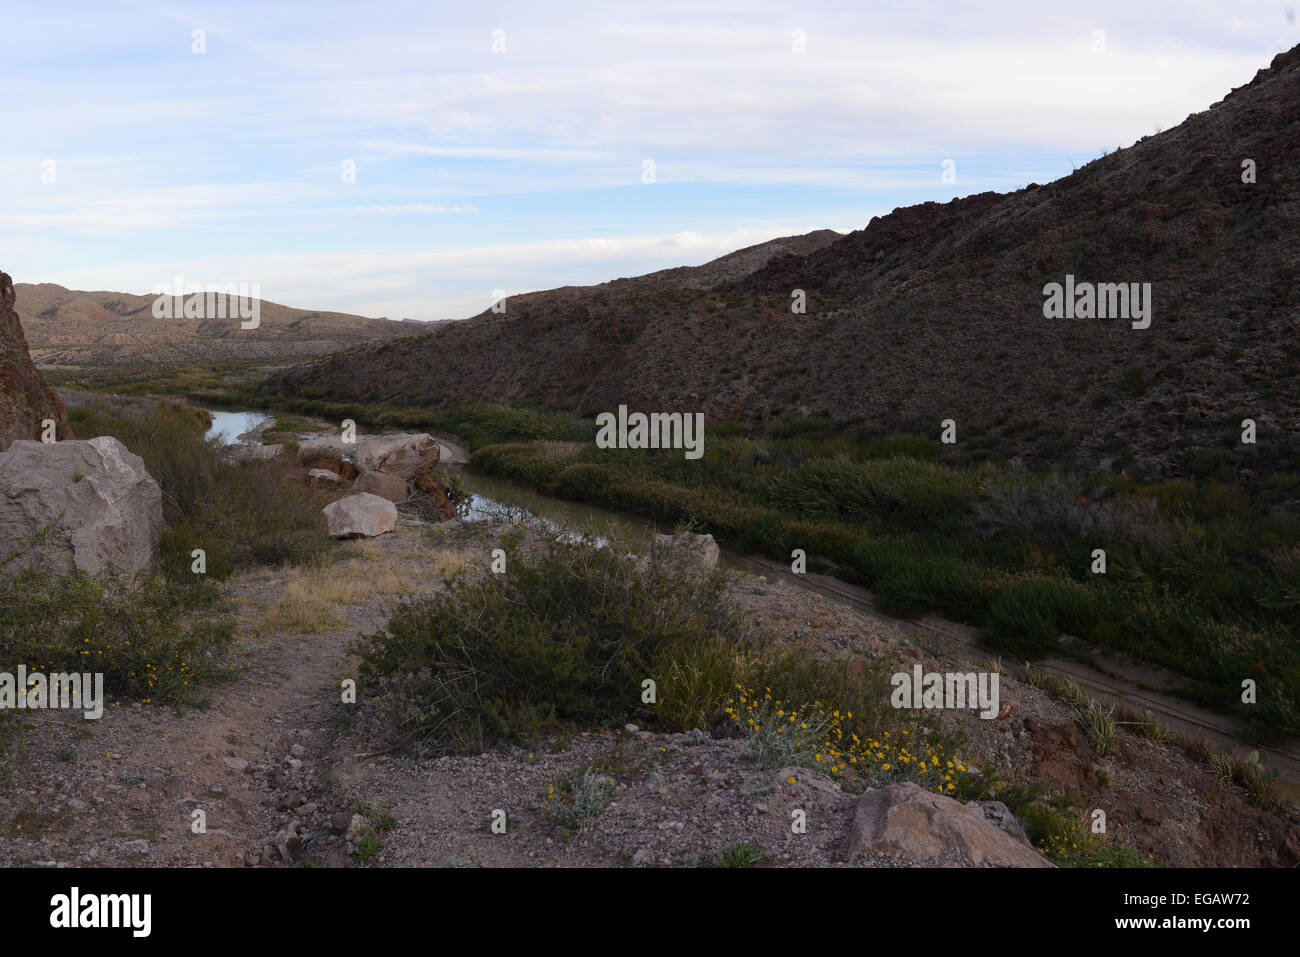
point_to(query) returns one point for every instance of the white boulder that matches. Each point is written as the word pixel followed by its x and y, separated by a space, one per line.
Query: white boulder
pixel 360 514
pixel 110 507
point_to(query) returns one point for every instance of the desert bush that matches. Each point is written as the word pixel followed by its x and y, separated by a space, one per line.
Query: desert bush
pixel 580 798
pixel 569 633
pixel 1053 509
pixel 151 638
pixel 1028 617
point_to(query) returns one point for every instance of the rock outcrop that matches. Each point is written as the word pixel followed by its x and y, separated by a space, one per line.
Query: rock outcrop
pixel 391 487
pixel 107 507
pixel 26 402
pixel 405 454
pixel 906 821
pixel 362 514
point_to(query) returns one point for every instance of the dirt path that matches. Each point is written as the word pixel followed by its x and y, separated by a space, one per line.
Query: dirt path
pixel 281 781
pixel 124 789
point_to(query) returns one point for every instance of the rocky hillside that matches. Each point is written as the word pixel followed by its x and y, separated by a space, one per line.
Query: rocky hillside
pixel 25 400
pixel 70 327
pixel 936 311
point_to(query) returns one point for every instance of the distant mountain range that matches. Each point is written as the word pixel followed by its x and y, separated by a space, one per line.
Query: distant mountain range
pixel 71 327
pixel 937 312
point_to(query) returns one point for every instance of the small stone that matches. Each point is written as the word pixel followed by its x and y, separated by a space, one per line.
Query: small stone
pixel 297 750
pixel 235 764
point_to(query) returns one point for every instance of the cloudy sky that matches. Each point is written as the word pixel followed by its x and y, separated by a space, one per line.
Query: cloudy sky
pixel 520 146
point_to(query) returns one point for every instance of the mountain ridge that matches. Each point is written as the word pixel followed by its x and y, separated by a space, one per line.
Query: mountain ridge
pixel 101 327
pixel 935 312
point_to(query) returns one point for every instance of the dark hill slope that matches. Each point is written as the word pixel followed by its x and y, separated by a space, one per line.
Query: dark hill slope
pixel 936 311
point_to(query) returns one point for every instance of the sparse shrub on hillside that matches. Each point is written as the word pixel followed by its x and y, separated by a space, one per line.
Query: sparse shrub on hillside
pixel 580 798
pixel 860 753
pixel 1098 723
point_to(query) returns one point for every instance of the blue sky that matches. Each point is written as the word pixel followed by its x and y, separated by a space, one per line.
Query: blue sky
pixel 524 169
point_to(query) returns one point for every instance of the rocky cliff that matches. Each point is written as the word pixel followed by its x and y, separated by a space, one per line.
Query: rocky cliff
pixel 25 400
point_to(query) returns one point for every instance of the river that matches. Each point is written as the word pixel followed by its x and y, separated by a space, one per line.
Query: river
pixel 491 497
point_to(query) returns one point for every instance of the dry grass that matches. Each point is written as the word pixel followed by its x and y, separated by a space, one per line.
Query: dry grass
pixel 313 593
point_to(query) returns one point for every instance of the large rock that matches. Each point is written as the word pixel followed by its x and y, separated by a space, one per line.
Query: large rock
pixel 404 454
pixel 905 821
pixel 695 554
pixel 383 484
pixel 111 507
pixel 25 400
pixel 361 514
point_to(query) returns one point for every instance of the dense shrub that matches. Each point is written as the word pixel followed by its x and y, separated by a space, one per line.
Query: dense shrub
pixel 569 633
pixel 892 490
pixel 152 639
pixel 1028 617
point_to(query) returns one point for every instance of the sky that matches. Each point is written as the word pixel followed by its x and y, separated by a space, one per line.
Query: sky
pixel 416 160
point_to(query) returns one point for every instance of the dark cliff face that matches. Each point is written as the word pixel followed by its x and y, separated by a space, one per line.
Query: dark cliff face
pixel 25 399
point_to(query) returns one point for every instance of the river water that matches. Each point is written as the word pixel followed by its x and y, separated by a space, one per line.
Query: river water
pixel 228 426
pixel 492 498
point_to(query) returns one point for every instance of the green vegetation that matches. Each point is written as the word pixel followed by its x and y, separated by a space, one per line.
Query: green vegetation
pixel 209 501
pixel 569 634
pixel 740 854
pixel 1058 825
pixel 152 639
pixel 1202 576
pixel 580 798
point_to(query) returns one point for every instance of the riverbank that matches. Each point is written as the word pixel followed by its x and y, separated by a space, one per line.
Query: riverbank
pixel 1119 680
pixel 286 767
